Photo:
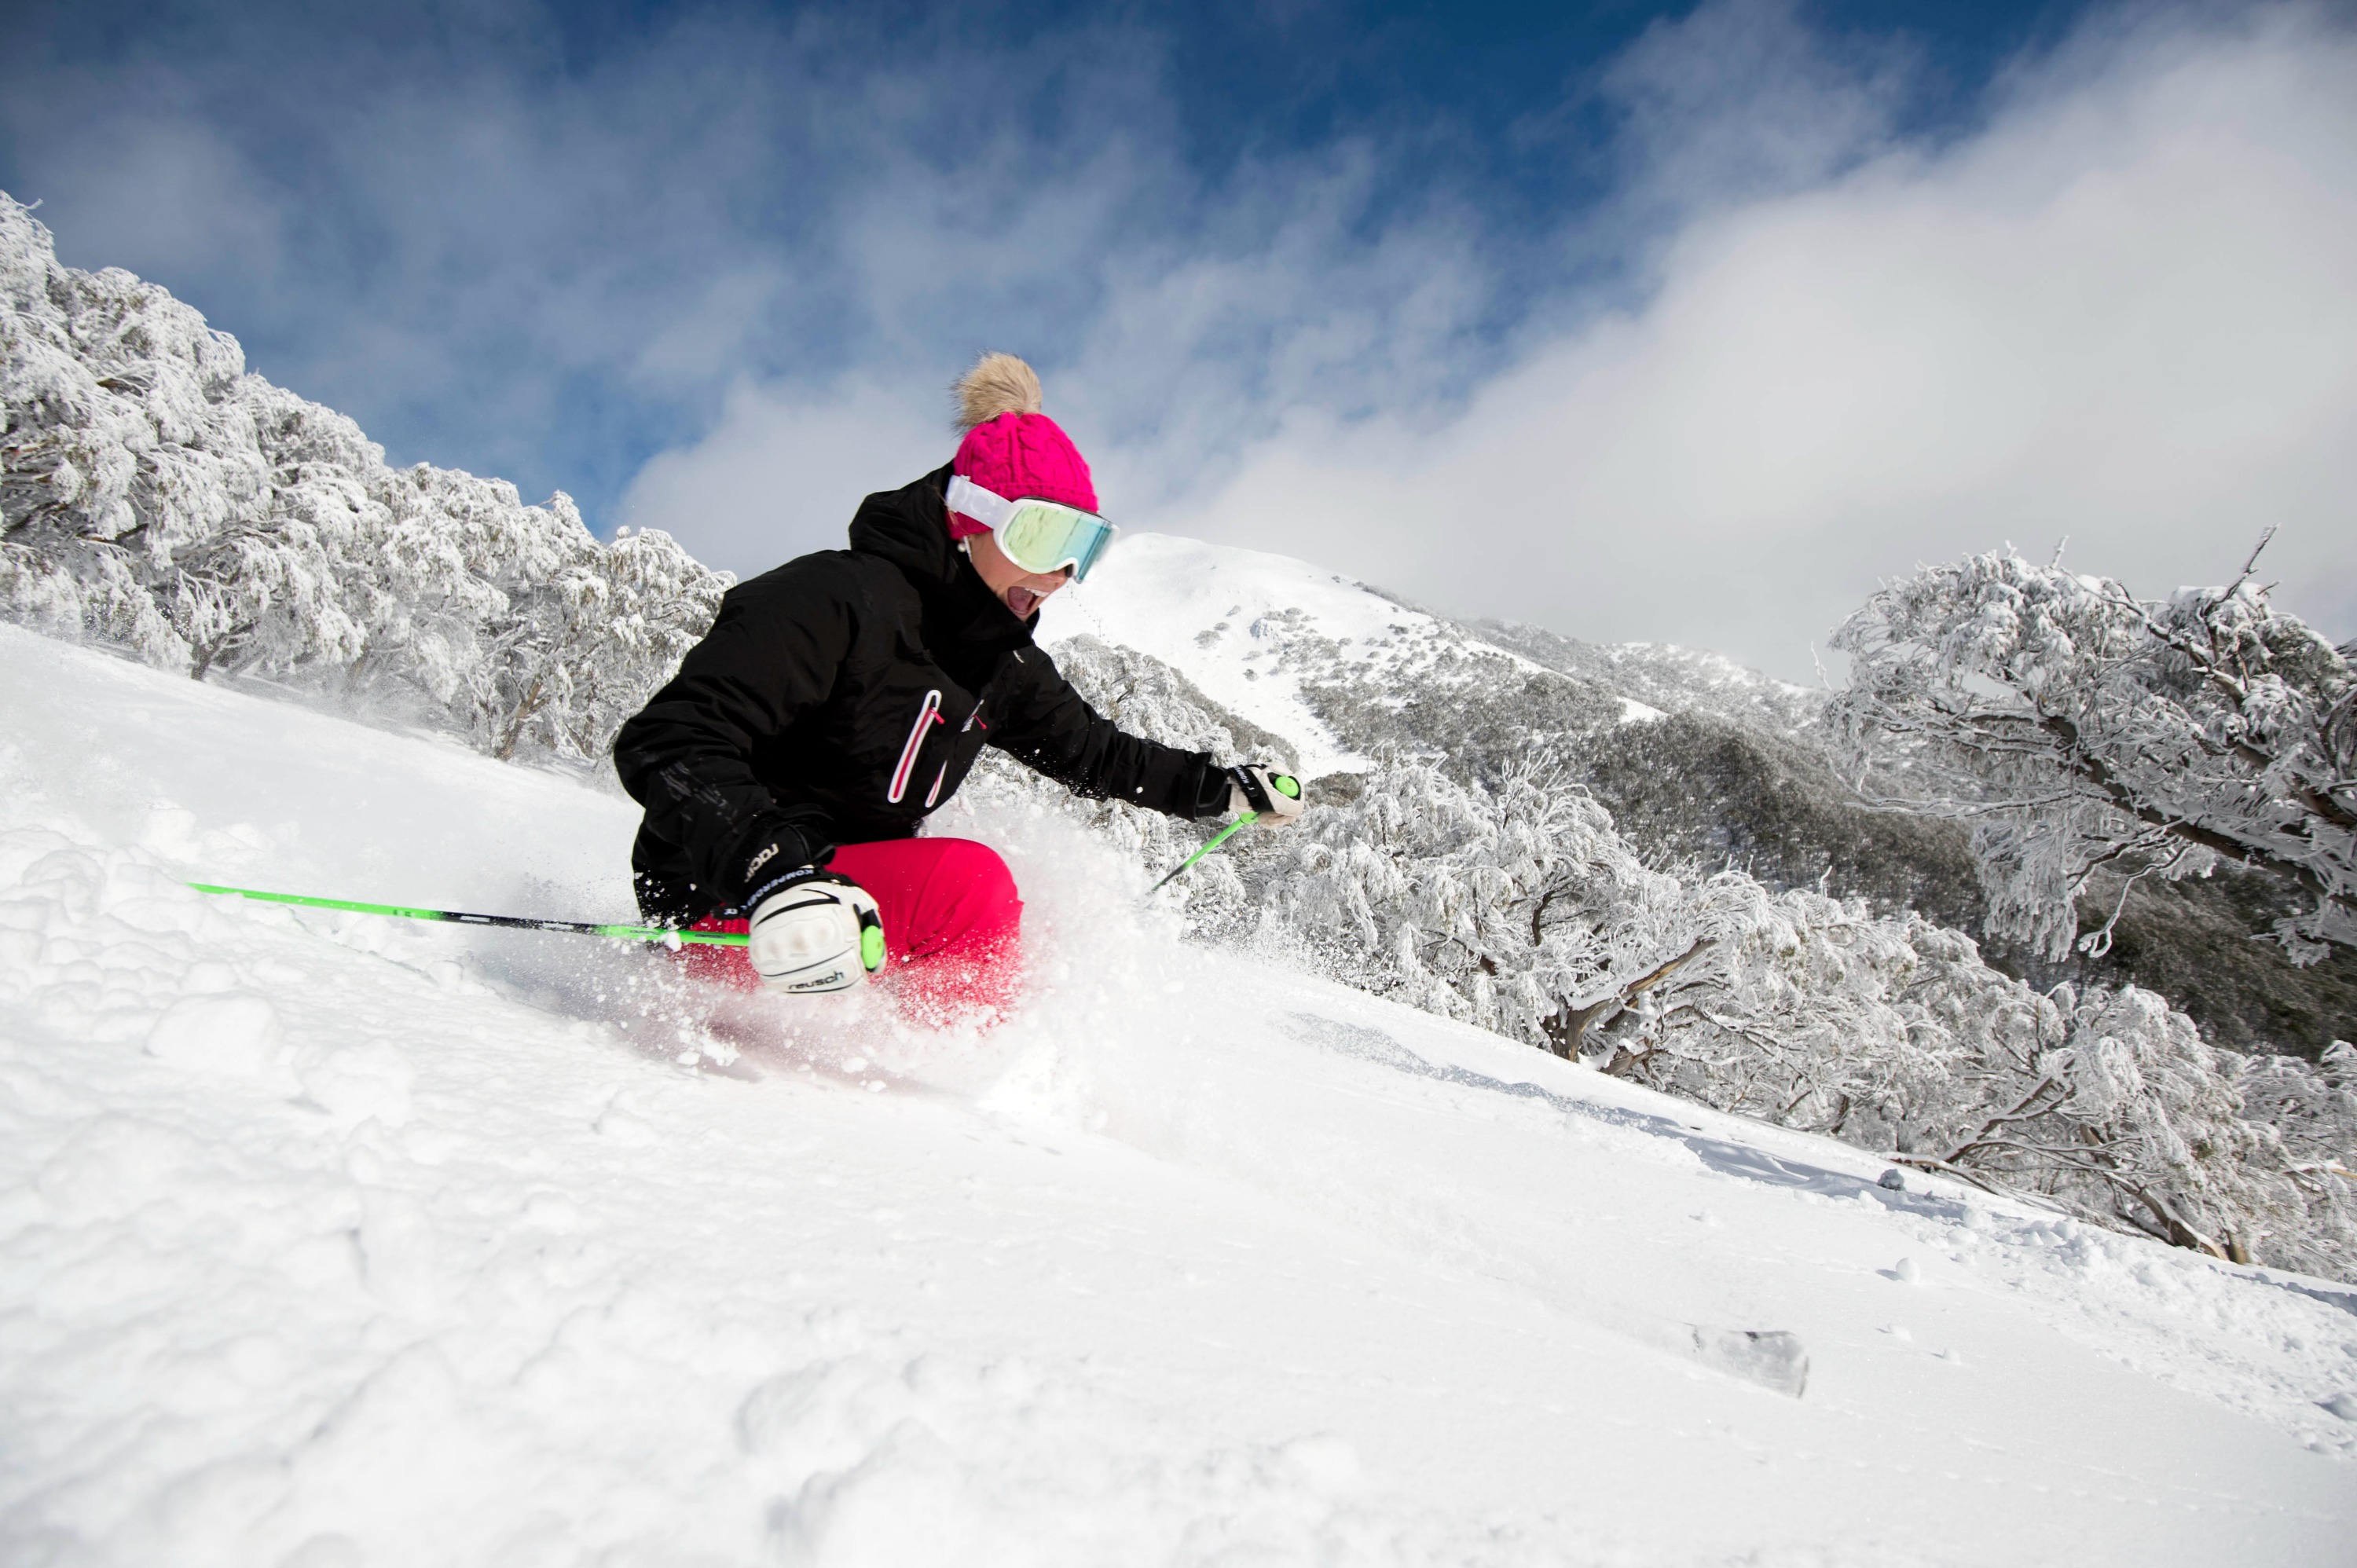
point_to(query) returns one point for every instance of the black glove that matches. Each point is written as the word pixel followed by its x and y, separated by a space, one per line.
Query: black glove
pixel 772 851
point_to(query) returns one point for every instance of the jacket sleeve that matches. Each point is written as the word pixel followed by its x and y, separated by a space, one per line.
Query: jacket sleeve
pixel 687 758
pixel 1048 727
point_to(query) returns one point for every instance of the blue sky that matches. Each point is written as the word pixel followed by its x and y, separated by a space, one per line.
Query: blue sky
pixel 709 267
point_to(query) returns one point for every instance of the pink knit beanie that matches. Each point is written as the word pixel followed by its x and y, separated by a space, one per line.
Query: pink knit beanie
pixel 1012 449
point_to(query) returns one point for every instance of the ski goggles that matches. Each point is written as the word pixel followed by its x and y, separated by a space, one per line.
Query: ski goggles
pixel 1038 536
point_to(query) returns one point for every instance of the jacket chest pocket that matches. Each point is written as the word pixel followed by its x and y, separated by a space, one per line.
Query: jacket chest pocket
pixel 904 773
pixel 934 757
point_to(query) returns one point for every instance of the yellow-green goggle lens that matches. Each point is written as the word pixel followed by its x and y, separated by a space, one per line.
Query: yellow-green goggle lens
pixel 1043 537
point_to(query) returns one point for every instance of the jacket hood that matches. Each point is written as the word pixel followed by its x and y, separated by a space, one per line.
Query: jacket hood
pixel 909 527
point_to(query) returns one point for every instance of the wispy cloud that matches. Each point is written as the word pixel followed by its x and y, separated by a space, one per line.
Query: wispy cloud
pixel 503 258
pixel 2123 311
pixel 1186 353
pixel 713 274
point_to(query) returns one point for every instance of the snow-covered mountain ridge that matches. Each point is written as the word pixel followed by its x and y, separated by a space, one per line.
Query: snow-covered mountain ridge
pixel 1265 636
pixel 330 1240
pixel 1666 677
pixel 1253 630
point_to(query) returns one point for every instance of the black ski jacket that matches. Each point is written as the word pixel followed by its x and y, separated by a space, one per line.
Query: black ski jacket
pixel 842 697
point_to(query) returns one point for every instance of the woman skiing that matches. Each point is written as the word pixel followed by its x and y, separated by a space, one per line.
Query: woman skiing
pixel 840 699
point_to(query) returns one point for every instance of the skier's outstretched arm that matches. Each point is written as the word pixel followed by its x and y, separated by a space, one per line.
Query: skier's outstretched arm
pixel 1050 728
pixel 687 758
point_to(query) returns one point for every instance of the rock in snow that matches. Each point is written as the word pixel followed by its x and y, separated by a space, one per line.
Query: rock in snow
pixel 326 1240
pixel 1773 1359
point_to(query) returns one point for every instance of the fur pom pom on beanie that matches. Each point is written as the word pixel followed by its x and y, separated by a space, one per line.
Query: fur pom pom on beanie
pixel 1010 448
pixel 998 384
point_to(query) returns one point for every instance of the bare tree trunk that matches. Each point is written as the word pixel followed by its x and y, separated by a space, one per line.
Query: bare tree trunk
pixel 1567 1029
pixel 214 650
pixel 532 701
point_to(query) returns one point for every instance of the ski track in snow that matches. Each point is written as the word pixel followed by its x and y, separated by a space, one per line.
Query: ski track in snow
pixel 326 1240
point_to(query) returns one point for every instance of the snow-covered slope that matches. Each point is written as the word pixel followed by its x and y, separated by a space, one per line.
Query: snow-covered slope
pixel 332 1241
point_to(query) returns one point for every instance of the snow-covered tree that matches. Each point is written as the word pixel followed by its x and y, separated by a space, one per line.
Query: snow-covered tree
pixel 1515 905
pixel 581 647
pixel 1893 1034
pixel 156 497
pixel 1492 903
pixel 2080 729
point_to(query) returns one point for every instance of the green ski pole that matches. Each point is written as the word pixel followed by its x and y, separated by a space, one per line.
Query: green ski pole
pixel 663 934
pixel 1217 840
pixel 1283 783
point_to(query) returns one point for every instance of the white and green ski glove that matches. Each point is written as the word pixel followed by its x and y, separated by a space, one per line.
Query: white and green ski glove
pixel 1274 798
pixel 812 931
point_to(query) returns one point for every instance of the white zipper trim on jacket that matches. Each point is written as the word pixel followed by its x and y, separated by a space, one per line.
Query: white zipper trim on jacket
pixel 933 706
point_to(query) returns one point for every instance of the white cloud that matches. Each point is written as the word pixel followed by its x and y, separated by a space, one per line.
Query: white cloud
pixel 1181 350
pixel 1739 97
pixel 154 189
pixel 711 332
pixel 2123 309
pixel 1787 351
pixel 781 473
pixel 2126 311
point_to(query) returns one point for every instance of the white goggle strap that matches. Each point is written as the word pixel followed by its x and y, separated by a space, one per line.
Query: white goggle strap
pixel 989 510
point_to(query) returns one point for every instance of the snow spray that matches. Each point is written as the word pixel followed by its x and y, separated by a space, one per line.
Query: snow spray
pixel 667 935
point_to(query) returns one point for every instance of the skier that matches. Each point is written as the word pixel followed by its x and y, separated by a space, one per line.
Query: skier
pixel 839 700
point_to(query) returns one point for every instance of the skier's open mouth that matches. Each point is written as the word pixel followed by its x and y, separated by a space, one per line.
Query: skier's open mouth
pixel 1022 601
